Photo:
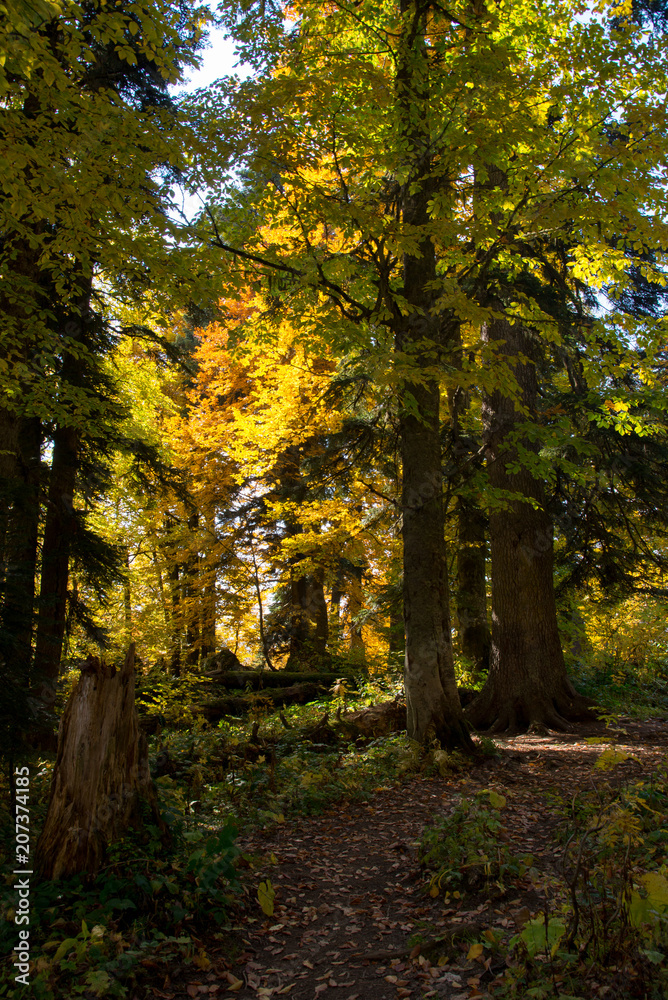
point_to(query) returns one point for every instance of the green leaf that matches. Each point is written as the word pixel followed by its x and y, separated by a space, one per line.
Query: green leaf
pixel 98 981
pixel 655 957
pixel 496 801
pixel 657 888
pixel 534 937
pixel 610 758
pixel 266 895
pixel 65 948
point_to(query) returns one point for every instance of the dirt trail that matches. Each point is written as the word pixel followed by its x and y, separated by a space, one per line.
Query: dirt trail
pixel 350 894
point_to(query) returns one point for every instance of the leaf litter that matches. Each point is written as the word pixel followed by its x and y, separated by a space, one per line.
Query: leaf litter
pixel 339 906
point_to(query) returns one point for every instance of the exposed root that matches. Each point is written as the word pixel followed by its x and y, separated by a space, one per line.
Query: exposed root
pixel 507 714
pixel 455 735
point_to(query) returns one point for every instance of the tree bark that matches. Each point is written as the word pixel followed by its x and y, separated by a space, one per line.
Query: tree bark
pixel 20 548
pixel 471 597
pixel 396 650
pixel 77 326
pixel 175 594
pixel 338 591
pixel 527 685
pixel 432 701
pixel 356 649
pixel 209 616
pixel 308 633
pixel 474 633
pixel 191 599
pixel 58 531
pixel 101 774
pixel 127 599
pixel 161 586
pixel 9 464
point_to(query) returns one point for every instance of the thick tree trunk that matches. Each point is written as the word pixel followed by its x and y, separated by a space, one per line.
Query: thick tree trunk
pixel 356 648
pixel 432 701
pixel 9 464
pixel 20 549
pixel 527 683
pixel 209 573
pixel 308 633
pixel 61 520
pixel 264 642
pixel 474 634
pixel 101 774
pixel 471 597
pixel 20 441
pixel 58 531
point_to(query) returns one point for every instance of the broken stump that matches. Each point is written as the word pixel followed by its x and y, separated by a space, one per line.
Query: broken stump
pixel 101 774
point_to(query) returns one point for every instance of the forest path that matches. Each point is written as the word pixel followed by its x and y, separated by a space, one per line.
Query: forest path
pixel 350 893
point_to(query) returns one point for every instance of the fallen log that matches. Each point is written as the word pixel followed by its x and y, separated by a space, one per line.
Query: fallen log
pixel 376 720
pixel 216 708
pixel 258 680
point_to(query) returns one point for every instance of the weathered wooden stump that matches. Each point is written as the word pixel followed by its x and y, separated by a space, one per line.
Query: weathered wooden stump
pixel 101 774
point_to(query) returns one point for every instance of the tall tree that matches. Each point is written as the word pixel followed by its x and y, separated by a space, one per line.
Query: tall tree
pixel 81 223
pixel 358 211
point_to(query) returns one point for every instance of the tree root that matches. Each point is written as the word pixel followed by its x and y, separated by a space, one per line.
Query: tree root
pixel 507 713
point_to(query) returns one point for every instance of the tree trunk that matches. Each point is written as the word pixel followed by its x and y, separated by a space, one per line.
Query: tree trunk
pixel 474 634
pixel 338 590
pixel 432 701
pixel 308 633
pixel 101 774
pixel 209 616
pixel 356 649
pixel 58 531
pixel 20 549
pixel 20 441
pixel 61 519
pixel 9 464
pixel 161 586
pixel 396 651
pixel 264 643
pixel 527 683
pixel 127 599
pixel 175 593
pixel 471 598
pixel 192 594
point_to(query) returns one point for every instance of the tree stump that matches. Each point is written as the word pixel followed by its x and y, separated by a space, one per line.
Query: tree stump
pixel 101 773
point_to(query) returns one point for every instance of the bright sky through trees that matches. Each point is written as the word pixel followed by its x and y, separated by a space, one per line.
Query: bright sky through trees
pixel 218 59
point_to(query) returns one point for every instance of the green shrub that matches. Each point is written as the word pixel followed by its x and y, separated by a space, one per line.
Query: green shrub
pixel 465 849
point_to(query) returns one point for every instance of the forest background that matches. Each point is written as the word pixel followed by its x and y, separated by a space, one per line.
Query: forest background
pixel 389 406
pixel 225 398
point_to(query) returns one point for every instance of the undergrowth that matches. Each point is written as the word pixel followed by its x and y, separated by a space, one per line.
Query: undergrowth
pixel 601 929
pixel 465 850
pixel 151 905
pixel 636 688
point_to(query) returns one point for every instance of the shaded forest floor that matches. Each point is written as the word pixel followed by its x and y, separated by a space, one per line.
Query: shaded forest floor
pixel 353 917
